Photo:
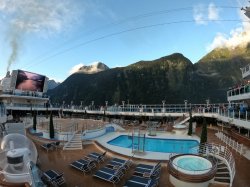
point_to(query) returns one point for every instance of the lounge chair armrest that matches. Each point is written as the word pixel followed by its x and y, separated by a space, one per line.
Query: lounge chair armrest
pixel 146 175
pixel 116 167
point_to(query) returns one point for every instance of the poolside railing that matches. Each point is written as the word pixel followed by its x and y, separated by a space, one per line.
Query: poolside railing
pixel 219 151
pixel 230 142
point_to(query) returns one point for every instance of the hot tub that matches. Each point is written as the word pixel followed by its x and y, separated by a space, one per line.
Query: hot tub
pixel 189 170
pixel 192 164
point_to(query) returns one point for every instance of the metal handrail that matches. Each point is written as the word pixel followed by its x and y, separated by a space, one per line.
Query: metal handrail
pixel 221 152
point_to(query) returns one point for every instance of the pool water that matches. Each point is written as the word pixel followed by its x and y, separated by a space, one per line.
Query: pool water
pixel 193 163
pixel 156 144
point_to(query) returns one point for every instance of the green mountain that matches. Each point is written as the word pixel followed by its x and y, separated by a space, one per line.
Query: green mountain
pixel 223 65
pixel 171 78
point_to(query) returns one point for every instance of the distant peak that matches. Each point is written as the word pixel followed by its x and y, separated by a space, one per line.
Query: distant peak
pixel 94 68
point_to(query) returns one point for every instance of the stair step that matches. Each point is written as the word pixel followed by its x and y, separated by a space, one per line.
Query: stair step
pixel 79 138
pixel 222 175
pixel 222 168
pixel 70 148
pixel 73 145
pixel 220 163
pixel 223 172
pixel 224 180
pixel 217 177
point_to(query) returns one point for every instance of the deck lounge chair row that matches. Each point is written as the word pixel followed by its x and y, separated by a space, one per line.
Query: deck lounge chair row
pixel 88 163
pixel 145 176
pixel 136 181
pixel 96 156
pixel 114 170
pixel 149 171
pixel 53 178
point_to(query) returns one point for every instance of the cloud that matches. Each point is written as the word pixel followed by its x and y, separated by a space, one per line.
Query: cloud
pixel 213 12
pixel 198 14
pixel 75 68
pixel 202 14
pixel 45 17
pixel 239 36
pixel 39 16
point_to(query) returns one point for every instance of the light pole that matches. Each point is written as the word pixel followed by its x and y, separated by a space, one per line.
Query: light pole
pixel 123 102
pixel 81 105
pixel 185 102
pixel 207 102
pixel 163 105
pixel 92 104
pixel 106 105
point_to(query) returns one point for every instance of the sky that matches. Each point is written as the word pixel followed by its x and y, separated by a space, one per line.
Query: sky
pixel 55 38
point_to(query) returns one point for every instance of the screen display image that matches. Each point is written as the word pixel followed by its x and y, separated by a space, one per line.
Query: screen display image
pixel 29 81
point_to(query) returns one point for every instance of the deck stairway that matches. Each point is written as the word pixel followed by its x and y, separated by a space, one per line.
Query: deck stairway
pixel 225 172
pixel 222 175
pixel 185 120
pixel 182 121
pixel 75 143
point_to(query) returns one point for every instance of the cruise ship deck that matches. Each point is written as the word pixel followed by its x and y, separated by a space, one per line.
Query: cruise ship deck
pixel 60 160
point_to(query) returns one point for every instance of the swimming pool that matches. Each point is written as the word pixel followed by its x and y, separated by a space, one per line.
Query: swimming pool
pixel 157 144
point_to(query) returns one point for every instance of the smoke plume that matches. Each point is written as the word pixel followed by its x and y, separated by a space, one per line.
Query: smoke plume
pixel 14 41
pixel 43 18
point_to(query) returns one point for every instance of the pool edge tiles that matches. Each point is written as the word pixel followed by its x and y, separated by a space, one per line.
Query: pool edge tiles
pixel 156 156
pixel 162 145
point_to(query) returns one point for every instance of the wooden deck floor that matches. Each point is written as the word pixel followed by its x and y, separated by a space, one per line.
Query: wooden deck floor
pixel 60 160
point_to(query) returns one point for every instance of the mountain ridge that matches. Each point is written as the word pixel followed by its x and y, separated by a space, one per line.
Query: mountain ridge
pixel 94 68
pixel 172 78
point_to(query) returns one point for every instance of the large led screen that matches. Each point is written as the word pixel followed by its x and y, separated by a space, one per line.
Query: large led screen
pixel 29 81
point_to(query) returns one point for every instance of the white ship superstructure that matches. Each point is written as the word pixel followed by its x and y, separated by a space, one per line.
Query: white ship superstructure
pixel 22 91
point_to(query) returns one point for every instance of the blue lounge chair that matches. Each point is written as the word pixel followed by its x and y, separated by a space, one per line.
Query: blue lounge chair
pixel 136 181
pixel 47 146
pixel 110 175
pixel 146 172
pixel 96 156
pixel 54 178
pixel 116 163
pixel 56 144
pixel 145 166
pixel 83 165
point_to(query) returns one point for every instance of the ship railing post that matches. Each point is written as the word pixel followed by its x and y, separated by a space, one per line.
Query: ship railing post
pixel 246 115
